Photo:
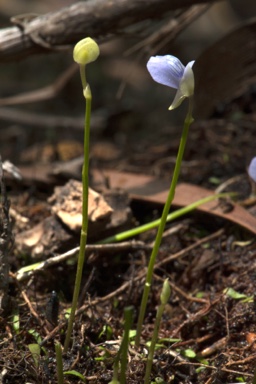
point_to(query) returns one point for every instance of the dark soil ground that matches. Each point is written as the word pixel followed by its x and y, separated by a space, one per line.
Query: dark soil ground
pixel 207 334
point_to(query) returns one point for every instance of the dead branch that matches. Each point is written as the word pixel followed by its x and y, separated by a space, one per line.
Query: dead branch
pixel 45 93
pixel 96 18
pixel 170 30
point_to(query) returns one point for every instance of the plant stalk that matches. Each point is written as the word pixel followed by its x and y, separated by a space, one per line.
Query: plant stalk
pixel 188 121
pixel 85 186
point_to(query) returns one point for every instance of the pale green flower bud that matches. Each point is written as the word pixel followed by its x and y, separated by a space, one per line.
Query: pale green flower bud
pixel 166 292
pixel 86 51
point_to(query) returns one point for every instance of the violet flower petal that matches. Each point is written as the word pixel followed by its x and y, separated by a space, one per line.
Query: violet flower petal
pixel 166 70
pixel 186 86
pixel 252 169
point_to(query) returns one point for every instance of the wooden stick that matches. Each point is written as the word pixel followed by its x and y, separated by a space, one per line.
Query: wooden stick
pixel 96 18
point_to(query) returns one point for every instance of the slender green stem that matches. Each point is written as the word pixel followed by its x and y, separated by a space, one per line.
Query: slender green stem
pixel 128 315
pixel 165 295
pixel 123 350
pixel 187 123
pixel 115 370
pixel 172 216
pixel 159 314
pixel 83 76
pixel 85 186
pixel 59 361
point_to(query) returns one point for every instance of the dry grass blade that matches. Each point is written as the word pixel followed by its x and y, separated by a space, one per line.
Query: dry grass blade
pixel 45 93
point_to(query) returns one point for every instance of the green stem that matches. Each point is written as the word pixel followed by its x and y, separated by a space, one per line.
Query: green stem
pixel 151 351
pixel 85 186
pixel 115 370
pixel 123 350
pixel 83 76
pixel 187 123
pixel 165 295
pixel 155 223
pixel 59 361
pixel 128 315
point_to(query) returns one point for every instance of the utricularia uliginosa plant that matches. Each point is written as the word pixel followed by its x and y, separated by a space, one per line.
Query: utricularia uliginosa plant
pixel 85 52
pixel 168 70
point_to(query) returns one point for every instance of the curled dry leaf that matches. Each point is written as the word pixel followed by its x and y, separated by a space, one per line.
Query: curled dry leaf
pixel 67 205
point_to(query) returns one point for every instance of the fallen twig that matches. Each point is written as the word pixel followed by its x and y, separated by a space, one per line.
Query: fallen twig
pixel 97 18
pixel 30 270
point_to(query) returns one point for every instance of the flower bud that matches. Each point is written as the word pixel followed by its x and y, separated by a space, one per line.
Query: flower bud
pixel 86 51
pixel 166 292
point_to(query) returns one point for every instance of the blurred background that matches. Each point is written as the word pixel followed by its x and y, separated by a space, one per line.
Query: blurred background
pixel 130 111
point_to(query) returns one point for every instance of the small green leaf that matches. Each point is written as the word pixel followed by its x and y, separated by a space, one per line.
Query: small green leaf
pixel 168 340
pixel 67 313
pixel 189 353
pixel 107 331
pixel 132 333
pixel 214 180
pixel 200 294
pixel 203 361
pixel 75 373
pixel 16 321
pixel 158 380
pixel 200 369
pixel 105 355
pixel 234 294
pixel 241 379
pixel 28 268
pixel 115 303
pixel 35 352
pixel 36 335
pixel 157 346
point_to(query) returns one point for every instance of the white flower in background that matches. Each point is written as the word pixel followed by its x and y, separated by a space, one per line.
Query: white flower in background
pixel 252 169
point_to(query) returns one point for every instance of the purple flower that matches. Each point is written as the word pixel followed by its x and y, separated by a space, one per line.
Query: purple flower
pixel 168 70
pixel 252 169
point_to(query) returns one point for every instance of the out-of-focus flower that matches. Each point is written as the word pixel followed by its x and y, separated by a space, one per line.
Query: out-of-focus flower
pixel 252 169
pixel 168 70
